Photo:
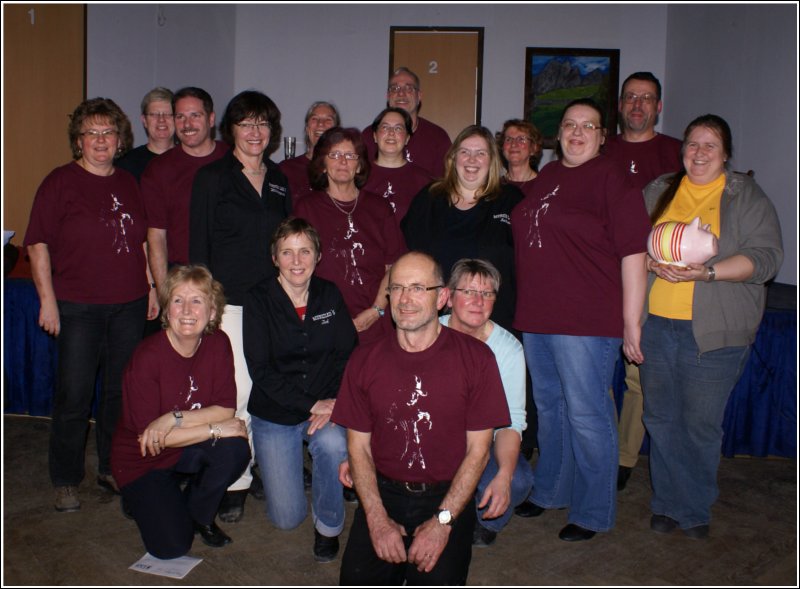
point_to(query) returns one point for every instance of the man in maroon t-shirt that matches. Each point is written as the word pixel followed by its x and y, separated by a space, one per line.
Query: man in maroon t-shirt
pixel 167 181
pixel 429 142
pixel 420 406
pixel 644 155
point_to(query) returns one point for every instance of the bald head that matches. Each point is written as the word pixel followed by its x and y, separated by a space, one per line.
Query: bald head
pixel 416 292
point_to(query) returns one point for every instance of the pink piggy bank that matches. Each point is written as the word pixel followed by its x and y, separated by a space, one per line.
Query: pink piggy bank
pixel 680 244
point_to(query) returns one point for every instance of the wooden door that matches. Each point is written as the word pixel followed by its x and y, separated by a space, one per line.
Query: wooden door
pixel 44 79
pixel 449 63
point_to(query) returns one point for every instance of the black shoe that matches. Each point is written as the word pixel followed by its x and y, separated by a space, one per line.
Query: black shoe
pixel 623 475
pixel 231 509
pixel 528 509
pixel 482 537
pixel 575 533
pixel 306 478
pixel 325 547
pixel 126 508
pixel 350 495
pixel 256 485
pixel 662 524
pixel 212 535
pixel 698 532
pixel 108 483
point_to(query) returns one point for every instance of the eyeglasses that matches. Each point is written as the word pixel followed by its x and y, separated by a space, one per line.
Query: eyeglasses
pixel 106 134
pixel 521 140
pixel 254 126
pixel 159 115
pixel 471 292
pixel 478 154
pixel 586 126
pixel 407 88
pixel 647 98
pixel 396 129
pixel 413 289
pixel 337 155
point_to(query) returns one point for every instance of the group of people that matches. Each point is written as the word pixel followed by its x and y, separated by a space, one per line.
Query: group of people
pixel 302 303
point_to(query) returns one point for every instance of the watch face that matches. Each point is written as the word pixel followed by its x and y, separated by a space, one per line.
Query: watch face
pixel 444 517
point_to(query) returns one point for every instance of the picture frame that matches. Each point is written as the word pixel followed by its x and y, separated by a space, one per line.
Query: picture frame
pixel 554 76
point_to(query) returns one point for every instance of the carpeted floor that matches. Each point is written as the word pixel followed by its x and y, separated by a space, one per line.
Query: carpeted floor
pixel 753 536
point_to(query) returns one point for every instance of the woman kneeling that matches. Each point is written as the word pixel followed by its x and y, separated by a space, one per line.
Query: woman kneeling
pixel 178 445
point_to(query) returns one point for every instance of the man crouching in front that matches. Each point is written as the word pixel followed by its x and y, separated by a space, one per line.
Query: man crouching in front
pixel 420 406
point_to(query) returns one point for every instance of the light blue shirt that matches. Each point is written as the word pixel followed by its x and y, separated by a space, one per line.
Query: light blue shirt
pixel 510 359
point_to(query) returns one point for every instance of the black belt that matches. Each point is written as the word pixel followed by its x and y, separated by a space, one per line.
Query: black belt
pixel 415 488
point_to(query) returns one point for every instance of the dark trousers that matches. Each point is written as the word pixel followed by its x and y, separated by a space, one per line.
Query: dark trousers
pixel 361 566
pixel 166 514
pixel 92 337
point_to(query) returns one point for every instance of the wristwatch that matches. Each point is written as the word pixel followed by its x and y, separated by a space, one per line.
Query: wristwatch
pixel 712 274
pixel 178 417
pixel 445 517
pixel 379 310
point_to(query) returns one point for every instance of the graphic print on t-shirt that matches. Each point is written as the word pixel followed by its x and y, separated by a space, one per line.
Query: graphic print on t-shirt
pixel 388 193
pixel 534 231
pixel 410 419
pixel 117 218
pixel 193 388
pixel 350 250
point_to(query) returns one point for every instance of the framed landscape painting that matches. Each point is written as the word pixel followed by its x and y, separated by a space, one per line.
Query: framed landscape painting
pixel 554 76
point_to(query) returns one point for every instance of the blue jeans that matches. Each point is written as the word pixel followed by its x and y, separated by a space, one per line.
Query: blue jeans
pixel 685 395
pixel 521 483
pixel 279 453
pixel 578 455
pixel 93 337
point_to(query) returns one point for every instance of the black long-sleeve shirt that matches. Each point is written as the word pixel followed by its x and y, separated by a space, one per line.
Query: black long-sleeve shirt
pixel 448 234
pixel 231 225
pixel 293 363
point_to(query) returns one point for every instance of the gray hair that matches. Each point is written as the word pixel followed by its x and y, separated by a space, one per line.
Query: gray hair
pixel 404 70
pixel 474 267
pixel 159 93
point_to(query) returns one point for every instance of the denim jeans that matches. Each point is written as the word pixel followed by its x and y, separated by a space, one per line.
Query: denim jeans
pixel 279 453
pixel 685 395
pixel 578 455
pixel 92 337
pixel 521 483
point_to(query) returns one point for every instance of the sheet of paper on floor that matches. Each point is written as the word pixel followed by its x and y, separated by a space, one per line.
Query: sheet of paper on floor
pixel 175 568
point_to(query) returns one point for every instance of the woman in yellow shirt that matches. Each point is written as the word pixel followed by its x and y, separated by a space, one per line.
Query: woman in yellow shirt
pixel 701 322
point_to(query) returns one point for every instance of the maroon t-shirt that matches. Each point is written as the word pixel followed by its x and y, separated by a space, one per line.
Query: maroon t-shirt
pixel 398 186
pixel 426 148
pixel 354 257
pixel 296 171
pixel 647 160
pixel 158 380
pixel 94 227
pixel 167 192
pixel 570 237
pixel 419 406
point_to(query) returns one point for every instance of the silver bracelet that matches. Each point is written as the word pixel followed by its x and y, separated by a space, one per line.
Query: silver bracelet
pixel 712 274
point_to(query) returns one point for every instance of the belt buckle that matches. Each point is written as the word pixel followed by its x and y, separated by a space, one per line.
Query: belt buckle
pixel 415 487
